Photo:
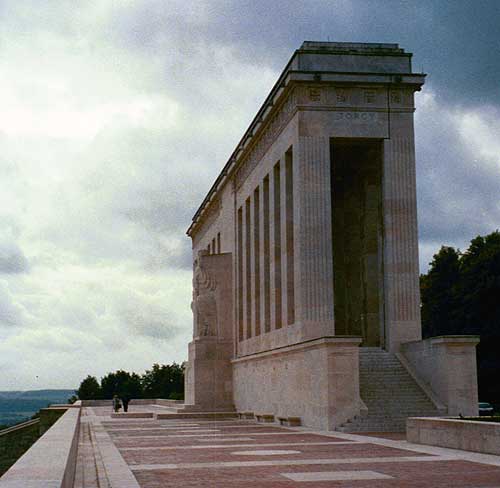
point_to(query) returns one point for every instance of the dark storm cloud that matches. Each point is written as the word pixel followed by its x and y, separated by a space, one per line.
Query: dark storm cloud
pixel 458 175
pixel 457 42
pixel 118 116
pixel 454 42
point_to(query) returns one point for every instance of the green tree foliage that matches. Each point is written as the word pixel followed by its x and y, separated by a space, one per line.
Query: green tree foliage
pixel 89 389
pixel 461 295
pixel 166 381
pixel 121 383
pixel 438 292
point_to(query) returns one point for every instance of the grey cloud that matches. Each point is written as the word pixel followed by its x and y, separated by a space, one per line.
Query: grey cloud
pixel 118 204
pixel 11 314
pixel 456 42
pixel 12 259
pixel 457 189
pixel 148 321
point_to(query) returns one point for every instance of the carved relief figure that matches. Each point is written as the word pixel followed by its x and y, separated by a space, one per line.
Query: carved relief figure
pixel 204 305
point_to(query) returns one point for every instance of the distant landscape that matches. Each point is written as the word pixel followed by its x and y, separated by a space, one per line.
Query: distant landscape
pixel 18 406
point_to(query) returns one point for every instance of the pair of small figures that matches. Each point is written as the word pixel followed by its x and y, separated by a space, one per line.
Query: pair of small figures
pixel 117 403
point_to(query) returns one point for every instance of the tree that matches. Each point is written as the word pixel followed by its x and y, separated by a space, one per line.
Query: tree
pixel 89 389
pixel 438 295
pixel 479 307
pixel 121 383
pixel 165 381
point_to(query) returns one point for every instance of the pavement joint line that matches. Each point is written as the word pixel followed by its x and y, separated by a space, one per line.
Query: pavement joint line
pixel 134 429
pixel 199 430
pixel 188 427
pixel 291 462
pixel 232 446
pixel 169 436
pixel 226 439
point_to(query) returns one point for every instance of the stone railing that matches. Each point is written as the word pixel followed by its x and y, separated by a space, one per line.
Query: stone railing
pixel 468 435
pixel 447 365
pixel 51 461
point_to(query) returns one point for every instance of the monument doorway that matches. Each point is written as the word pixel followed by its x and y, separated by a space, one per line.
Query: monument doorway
pixel 357 226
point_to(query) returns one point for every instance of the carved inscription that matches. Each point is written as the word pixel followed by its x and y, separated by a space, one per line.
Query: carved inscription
pixel 370 96
pixel 342 96
pixel 356 116
pixel 314 94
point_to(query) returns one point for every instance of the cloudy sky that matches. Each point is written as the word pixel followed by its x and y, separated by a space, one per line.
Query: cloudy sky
pixel 116 116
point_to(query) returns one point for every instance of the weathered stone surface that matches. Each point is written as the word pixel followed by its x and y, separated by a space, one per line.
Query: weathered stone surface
pixel 467 435
pixel 51 461
pixel 448 365
pixel 312 229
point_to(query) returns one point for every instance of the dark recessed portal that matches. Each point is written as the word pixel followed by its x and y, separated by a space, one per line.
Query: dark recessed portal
pixel 356 167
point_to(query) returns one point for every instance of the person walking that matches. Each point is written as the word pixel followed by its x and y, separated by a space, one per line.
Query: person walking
pixel 125 402
pixel 116 403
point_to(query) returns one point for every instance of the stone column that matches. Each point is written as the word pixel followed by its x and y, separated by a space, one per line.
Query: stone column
pixel 401 268
pixel 313 237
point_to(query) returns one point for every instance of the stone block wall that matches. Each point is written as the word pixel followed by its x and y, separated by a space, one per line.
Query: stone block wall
pixel 468 435
pixel 447 365
pixel 316 381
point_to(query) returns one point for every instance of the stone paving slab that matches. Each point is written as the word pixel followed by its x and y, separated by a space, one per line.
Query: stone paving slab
pixel 168 432
pixel 285 451
pixel 435 474
pixel 162 454
pixel 190 441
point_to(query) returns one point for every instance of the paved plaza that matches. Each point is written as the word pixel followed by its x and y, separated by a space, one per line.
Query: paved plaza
pixel 150 453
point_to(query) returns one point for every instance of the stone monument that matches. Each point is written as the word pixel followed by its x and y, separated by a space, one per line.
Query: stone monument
pixel 305 251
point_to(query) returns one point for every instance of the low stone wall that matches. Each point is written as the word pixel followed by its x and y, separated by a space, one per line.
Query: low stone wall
pixel 51 461
pixel 97 403
pixel 468 435
pixel 136 401
pixel 447 364
pixel 156 401
pixel 15 441
pixel 315 380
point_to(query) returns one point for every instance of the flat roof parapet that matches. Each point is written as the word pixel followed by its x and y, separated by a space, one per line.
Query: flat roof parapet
pixel 350 47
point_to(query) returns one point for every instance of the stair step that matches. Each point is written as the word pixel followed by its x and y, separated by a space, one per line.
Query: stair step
pixel 389 392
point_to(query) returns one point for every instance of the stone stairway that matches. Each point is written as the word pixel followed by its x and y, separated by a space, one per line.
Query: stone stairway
pixel 389 392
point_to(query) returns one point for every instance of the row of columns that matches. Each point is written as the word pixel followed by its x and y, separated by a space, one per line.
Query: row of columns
pixel 265 260
pixel 284 261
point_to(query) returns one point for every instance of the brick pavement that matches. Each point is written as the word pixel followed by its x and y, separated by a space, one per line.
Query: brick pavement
pixel 242 454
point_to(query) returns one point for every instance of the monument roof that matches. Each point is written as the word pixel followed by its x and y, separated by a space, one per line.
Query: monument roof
pixel 315 61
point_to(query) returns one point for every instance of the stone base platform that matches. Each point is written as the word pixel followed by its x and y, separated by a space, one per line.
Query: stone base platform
pixel 203 450
pixel 128 452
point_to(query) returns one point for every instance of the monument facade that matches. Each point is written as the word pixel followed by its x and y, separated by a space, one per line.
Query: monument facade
pixel 305 251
